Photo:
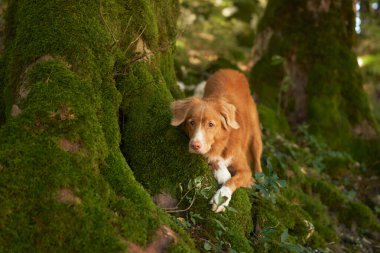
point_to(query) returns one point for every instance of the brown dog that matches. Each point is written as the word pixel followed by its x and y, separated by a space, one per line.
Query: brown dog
pixel 223 126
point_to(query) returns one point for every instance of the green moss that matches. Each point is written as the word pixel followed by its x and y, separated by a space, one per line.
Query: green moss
pixel 2 106
pixel 347 211
pixel 31 207
pixel 335 96
pixel 266 86
pixel 64 53
pixel 272 121
pixel 364 216
pixel 316 211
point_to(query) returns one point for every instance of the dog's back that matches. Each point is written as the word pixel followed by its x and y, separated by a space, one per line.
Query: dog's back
pixel 233 86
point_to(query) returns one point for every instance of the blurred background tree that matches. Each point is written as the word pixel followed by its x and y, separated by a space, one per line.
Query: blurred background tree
pixel 215 34
pixel 368 49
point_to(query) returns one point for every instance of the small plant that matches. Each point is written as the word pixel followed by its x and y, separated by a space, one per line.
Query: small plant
pixel 269 185
pixel 270 235
pixel 191 221
pixel 197 187
pixel 219 244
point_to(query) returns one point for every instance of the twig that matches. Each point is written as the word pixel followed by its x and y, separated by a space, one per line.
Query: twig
pixel 105 23
pixel 184 210
pixel 126 27
pixel 162 49
pixel 180 201
pixel 137 38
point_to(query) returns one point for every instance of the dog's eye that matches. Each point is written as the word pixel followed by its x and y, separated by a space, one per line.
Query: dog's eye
pixel 210 124
pixel 192 122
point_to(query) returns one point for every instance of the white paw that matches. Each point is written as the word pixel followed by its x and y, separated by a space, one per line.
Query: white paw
pixel 222 175
pixel 221 199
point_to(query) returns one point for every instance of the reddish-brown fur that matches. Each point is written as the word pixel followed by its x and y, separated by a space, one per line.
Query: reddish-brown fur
pixel 243 144
pixel 228 117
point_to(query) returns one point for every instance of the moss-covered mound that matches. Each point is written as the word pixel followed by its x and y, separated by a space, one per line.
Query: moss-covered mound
pixel 314 210
pixel 65 185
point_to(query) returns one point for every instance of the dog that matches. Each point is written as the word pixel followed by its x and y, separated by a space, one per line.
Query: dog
pixel 223 126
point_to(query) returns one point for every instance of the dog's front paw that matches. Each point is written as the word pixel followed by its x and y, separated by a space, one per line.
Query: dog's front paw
pixel 221 199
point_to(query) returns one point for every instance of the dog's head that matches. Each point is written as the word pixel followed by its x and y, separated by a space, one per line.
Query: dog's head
pixel 205 120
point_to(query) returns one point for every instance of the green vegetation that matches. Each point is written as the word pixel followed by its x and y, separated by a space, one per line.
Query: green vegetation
pixel 319 79
pixel 85 141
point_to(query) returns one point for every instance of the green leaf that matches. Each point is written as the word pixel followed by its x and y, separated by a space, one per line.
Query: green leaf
pixel 207 246
pixel 189 185
pixel 284 235
pixel 206 191
pixel 221 199
pixel 231 209
pixel 198 182
pixel 281 183
pixel 277 59
pixel 292 247
pixel 220 224
pixel 260 178
pixel 196 215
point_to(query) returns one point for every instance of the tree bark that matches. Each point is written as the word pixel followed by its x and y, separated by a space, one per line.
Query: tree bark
pixel 318 82
pixel 69 69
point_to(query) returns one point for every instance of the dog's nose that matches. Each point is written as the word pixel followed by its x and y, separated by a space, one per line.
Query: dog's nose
pixel 196 145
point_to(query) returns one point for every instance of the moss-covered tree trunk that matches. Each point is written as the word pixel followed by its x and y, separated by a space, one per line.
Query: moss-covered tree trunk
pixel 318 82
pixel 85 92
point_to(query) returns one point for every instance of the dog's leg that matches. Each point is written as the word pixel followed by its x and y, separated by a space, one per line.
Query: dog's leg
pixel 256 145
pixel 242 178
pixel 256 148
pixel 220 170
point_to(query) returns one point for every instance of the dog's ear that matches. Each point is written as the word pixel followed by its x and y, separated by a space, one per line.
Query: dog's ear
pixel 180 109
pixel 229 116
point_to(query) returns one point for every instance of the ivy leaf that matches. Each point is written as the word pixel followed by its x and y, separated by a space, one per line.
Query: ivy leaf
pixel 260 178
pixel 281 183
pixel 190 185
pixel 220 224
pixel 198 182
pixel 196 215
pixel 292 247
pixel 284 235
pixel 231 209
pixel 221 199
pixel 207 246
